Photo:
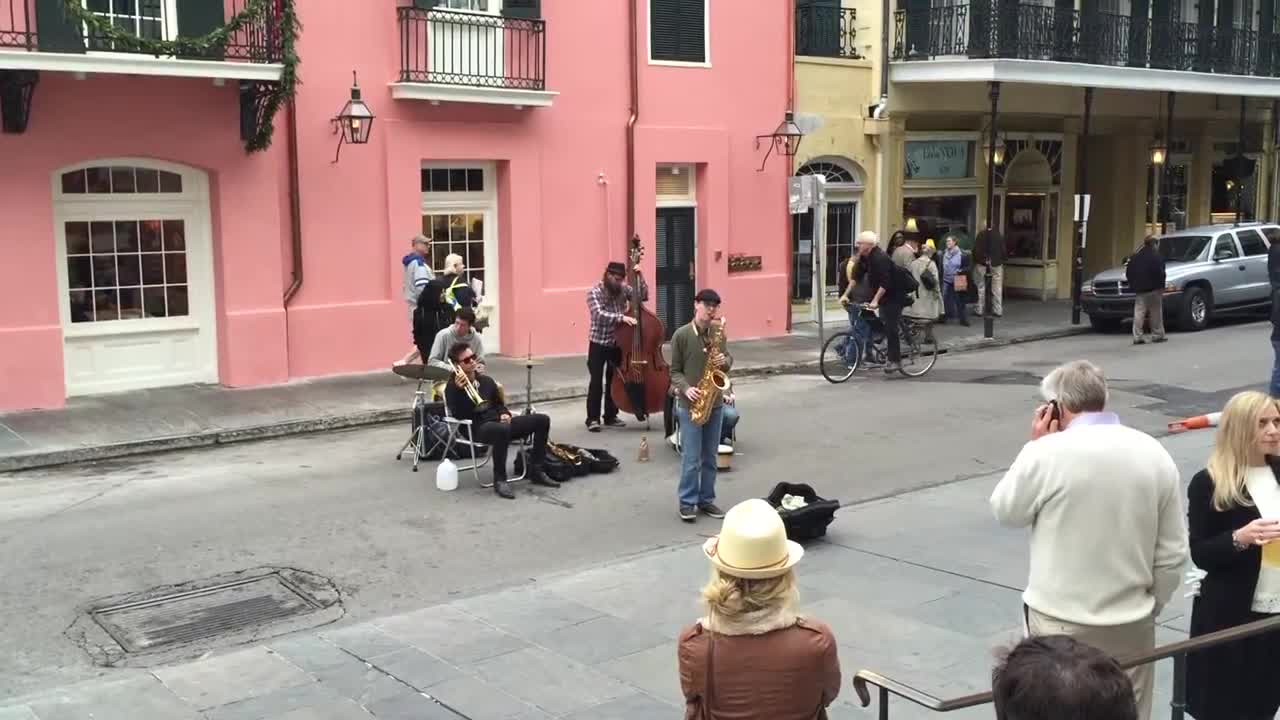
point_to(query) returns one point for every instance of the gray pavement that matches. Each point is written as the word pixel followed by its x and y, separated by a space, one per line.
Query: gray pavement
pixel 116 425
pixel 920 587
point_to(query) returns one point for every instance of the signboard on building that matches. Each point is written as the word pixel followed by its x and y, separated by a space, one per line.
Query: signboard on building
pixel 937 159
pixel 805 191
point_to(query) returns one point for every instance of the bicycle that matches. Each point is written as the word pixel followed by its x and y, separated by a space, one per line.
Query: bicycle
pixel 843 353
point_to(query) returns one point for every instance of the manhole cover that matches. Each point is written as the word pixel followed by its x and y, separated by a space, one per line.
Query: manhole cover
pixel 195 615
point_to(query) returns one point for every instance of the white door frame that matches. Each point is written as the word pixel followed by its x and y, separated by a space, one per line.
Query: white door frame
pixel 838 195
pixel 484 203
pixel 192 207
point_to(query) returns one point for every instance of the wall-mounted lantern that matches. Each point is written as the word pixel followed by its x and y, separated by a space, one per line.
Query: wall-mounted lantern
pixel 786 139
pixel 354 123
pixel 998 156
pixel 1159 151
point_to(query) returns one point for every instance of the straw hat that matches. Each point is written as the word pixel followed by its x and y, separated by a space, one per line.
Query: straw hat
pixel 753 543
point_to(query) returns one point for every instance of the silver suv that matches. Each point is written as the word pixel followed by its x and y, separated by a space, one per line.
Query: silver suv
pixel 1208 269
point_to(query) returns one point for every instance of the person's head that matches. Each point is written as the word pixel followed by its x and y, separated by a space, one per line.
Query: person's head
pixel 752 564
pixel 1078 387
pixel 867 241
pixel 897 240
pixel 1055 677
pixel 1149 241
pixel 453 264
pixel 614 275
pixel 420 244
pixel 951 242
pixel 1248 432
pixel 928 250
pixel 463 321
pixel 462 356
pixel 706 306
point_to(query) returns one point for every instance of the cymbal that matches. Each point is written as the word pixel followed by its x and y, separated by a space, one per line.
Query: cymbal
pixel 421 372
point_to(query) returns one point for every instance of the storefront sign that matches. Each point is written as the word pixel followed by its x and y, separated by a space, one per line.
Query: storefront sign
pixel 937 159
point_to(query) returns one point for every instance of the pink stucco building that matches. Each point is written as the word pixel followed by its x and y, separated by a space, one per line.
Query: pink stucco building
pixel 143 245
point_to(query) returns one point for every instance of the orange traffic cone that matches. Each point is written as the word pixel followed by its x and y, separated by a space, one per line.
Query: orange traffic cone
pixel 1196 423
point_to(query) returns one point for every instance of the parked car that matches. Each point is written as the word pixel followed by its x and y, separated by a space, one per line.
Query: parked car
pixel 1209 270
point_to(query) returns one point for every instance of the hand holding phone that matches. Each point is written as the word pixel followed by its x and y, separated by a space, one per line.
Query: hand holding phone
pixel 1047 420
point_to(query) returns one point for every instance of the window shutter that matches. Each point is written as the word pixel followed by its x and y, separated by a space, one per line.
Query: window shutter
pixel 56 32
pixel 693 25
pixel 201 17
pixel 522 8
pixel 664 29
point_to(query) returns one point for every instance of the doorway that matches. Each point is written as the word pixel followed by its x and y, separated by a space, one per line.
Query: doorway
pixel 676 270
pixel 833 248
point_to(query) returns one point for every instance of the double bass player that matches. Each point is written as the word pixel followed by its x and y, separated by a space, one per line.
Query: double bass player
pixel 607 301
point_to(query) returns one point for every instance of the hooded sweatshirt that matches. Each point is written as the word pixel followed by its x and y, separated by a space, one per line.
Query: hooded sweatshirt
pixel 416 276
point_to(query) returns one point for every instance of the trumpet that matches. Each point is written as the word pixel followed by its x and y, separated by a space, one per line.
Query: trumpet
pixel 461 380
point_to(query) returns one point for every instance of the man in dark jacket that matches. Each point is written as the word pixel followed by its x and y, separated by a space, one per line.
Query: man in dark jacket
pixel 1145 274
pixel 1273 271
pixel 875 269
pixel 988 249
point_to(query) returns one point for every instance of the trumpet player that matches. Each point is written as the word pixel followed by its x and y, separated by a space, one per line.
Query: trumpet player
pixel 692 353
pixel 476 397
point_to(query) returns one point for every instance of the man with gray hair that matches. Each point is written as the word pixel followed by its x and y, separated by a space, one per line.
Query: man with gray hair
pixel 1103 502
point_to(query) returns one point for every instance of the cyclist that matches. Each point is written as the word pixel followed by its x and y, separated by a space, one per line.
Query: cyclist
pixel 876 270
pixel 853 295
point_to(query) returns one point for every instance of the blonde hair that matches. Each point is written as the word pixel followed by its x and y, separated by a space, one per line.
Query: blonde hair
pixel 1237 433
pixel 450 261
pixel 728 597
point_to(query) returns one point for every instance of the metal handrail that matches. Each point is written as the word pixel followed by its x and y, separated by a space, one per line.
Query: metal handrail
pixel 1178 651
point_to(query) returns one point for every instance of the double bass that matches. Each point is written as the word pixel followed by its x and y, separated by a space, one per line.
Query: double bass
pixel 643 379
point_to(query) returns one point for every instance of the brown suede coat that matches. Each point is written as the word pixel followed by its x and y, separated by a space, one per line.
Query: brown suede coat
pixel 780 667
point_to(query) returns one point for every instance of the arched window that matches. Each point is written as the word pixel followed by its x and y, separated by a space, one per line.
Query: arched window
pixel 837 171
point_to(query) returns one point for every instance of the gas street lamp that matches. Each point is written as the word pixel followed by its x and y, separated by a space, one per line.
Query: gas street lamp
pixel 355 122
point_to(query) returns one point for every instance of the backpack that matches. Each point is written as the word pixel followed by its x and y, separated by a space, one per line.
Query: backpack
pixel 904 283
pixel 928 280
pixel 431 314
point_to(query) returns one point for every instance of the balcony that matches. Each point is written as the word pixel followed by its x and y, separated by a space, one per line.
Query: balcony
pixel 827 32
pixel 1009 30
pixel 472 57
pixel 35 35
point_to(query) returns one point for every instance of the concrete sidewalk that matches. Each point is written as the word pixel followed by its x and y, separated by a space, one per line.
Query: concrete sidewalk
pixel 919 587
pixel 105 426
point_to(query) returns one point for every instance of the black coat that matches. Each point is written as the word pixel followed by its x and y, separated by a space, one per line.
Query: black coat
pixel 1273 272
pixel 1225 682
pixel 1145 271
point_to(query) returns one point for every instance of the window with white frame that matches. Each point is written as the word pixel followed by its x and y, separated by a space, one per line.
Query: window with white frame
pixel 678 31
pixel 459 229
pixel 126 269
pixel 150 19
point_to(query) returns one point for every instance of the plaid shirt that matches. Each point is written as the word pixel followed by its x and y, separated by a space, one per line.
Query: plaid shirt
pixel 608 310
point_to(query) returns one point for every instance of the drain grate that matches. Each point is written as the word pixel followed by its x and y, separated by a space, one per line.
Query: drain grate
pixel 205 613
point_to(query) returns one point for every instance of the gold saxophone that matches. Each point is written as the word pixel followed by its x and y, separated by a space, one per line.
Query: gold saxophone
pixel 461 380
pixel 714 381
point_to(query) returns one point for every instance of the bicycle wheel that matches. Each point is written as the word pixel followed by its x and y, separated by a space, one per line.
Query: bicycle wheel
pixel 838 361
pixel 918 356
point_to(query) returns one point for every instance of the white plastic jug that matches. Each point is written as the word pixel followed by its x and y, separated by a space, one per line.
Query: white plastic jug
pixel 447 476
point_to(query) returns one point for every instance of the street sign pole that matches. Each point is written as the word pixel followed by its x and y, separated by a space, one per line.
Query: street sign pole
pixel 1081 224
pixel 819 248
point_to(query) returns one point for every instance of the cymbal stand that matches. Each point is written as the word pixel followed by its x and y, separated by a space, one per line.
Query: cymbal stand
pixel 528 386
pixel 417 436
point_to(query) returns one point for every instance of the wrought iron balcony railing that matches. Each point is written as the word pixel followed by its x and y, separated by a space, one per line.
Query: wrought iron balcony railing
pixel 42 26
pixel 1009 29
pixel 472 49
pixel 826 32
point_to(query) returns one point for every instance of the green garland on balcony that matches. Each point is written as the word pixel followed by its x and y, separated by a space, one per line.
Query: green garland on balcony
pixel 254 11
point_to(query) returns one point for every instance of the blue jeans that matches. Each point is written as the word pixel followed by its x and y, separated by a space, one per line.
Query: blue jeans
pixel 699 446
pixel 728 419
pixel 952 302
pixel 1275 370
pixel 859 328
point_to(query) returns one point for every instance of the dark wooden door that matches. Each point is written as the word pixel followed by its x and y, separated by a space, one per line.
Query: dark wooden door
pixel 675 267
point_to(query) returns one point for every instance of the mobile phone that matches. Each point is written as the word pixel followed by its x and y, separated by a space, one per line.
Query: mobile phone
pixel 1055 411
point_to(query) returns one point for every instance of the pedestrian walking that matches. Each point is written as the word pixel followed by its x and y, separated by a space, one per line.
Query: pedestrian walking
pixel 1233 506
pixel 1145 273
pixel 417 273
pixel 1108 539
pixel 988 262
pixel 1056 677
pixel 955 281
pixel 753 656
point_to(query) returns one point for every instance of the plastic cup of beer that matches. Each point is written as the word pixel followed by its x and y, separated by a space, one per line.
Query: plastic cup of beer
pixel 1271 554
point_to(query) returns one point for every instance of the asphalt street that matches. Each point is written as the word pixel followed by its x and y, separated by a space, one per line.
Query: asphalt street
pixel 339 506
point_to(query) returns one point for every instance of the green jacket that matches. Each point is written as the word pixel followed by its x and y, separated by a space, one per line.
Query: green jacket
pixel 689 358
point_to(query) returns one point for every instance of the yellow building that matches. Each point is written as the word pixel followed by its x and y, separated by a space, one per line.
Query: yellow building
pixel 1190 85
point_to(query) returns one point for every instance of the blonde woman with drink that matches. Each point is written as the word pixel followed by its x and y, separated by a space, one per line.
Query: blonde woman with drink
pixel 753 657
pixel 1234 512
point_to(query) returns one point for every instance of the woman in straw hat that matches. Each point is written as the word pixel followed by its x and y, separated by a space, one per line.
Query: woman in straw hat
pixel 752 657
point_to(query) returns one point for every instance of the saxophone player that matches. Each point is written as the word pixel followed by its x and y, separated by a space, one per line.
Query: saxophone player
pixel 476 397
pixel 697 349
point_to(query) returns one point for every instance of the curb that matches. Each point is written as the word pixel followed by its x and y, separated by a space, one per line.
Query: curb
pixel 210 438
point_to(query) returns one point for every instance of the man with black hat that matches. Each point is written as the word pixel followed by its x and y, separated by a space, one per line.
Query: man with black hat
pixel 699 444
pixel 607 301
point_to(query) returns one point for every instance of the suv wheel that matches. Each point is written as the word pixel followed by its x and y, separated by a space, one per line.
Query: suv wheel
pixel 1197 306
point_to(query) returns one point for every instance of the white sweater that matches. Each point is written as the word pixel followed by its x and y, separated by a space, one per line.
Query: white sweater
pixel 1104 503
